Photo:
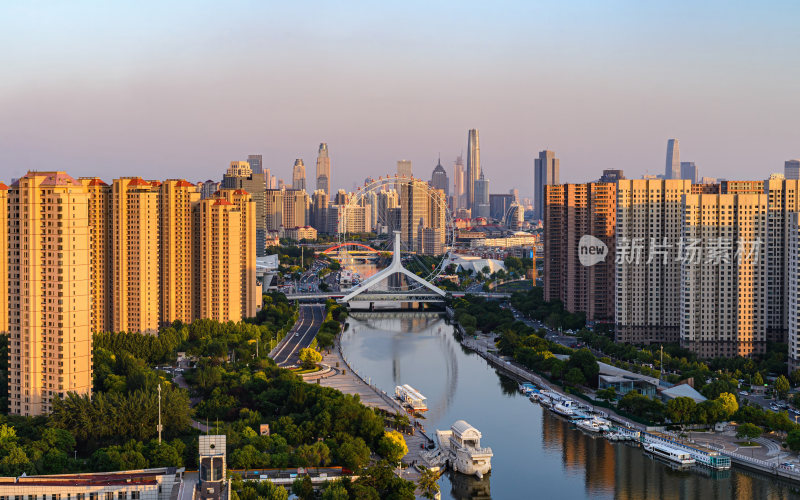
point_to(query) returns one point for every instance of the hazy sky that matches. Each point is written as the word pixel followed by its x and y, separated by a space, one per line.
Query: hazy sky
pixel 179 89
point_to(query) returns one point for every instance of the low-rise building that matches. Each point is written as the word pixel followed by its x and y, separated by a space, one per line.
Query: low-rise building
pixel 145 484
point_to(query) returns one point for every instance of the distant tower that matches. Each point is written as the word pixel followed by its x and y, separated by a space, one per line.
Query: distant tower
pixel 689 171
pixel 791 169
pixel 673 168
pixel 473 165
pixel 324 169
pixel 256 163
pixel 481 196
pixel 439 178
pixel 459 178
pixel 299 175
pixel 404 168
pixel 546 172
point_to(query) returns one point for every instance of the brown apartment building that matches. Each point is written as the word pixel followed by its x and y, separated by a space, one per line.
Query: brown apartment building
pixel 573 211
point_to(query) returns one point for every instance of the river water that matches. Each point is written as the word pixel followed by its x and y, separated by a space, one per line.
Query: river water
pixel 536 454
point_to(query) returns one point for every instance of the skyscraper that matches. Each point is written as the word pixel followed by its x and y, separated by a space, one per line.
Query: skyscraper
pixel 324 169
pixel 414 211
pixel 673 168
pixel 256 165
pixel 459 180
pixel 439 178
pixel 299 175
pixel 689 171
pixel 499 205
pixel 101 265
pixel 481 206
pixel 256 185
pixel 404 168
pixel 49 296
pixel 473 166
pixel 546 172
pixel 4 259
pixel 251 292
pixel 319 210
pixel 791 169
pixel 295 208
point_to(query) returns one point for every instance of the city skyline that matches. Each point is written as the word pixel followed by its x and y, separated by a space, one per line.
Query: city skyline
pixel 94 119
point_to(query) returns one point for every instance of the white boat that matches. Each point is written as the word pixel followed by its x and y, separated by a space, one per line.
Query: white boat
pixel 593 425
pixel 565 408
pixel 462 447
pixel 411 397
pixel 670 453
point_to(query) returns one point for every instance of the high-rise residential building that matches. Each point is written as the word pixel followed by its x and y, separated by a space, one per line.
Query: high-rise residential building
pixel 251 292
pixel 4 259
pixel 473 166
pixel 319 210
pixel 439 179
pixel 793 289
pixel 706 189
pixel 546 173
pixel 274 209
pixel 256 185
pixel 102 262
pixel 573 211
pixel 648 276
pixel 341 198
pixel 403 171
pixel 724 293
pixel 49 295
pixel 673 168
pixel 295 208
pixel 459 184
pixel 612 175
pixel 177 197
pixel 741 187
pixel 514 192
pixel 299 175
pixel 791 169
pixel 324 169
pixel 413 212
pixel 238 169
pixel 431 234
pixel 387 200
pixel 689 171
pixel 219 279
pixel 256 164
pixel 208 188
pixel 499 204
pixel 348 219
pixel 481 206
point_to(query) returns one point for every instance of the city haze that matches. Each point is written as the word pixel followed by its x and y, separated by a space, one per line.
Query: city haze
pixel 182 89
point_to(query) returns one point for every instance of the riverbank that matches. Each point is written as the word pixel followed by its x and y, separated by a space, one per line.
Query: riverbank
pixel 767 458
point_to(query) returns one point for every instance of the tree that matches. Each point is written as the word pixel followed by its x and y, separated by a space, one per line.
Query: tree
pixel 680 410
pixel 353 454
pixel 608 394
pixel 749 431
pixel 782 387
pixel 428 483
pixel 758 379
pixel 574 377
pixel 309 357
pixel 303 488
pixel 793 440
pixel 392 446
pixel 794 377
pixel 584 360
pixel 728 403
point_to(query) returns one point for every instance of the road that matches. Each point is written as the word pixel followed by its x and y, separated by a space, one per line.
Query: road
pixel 310 318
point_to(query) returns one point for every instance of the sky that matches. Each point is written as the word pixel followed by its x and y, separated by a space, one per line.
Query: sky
pixel 172 89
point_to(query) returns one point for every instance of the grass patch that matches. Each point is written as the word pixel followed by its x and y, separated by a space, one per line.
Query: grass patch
pixel 748 443
pixel 305 371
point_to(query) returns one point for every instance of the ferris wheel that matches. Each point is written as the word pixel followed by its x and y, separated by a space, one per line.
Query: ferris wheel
pixel 419 212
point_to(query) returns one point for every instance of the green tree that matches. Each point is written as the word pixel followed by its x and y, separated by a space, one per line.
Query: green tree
pixel 584 360
pixel 758 379
pixel 607 394
pixel 353 454
pixel 303 488
pixel 793 440
pixel 749 431
pixel 574 377
pixel 392 446
pixel 680 410
pixel 728 403
pixel 309 357
pixel 782 387
pixel 428 483
pixel 794 378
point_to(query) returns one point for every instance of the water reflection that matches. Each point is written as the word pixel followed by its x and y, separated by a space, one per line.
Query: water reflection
pixel 536 454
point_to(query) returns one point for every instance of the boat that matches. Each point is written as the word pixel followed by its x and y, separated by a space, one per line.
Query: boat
pixel 461 446
pixel 565 408
pixel 411 397
pixel 670 453
pixel 593 424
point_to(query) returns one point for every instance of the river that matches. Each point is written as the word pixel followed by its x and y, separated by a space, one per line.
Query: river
pixel 536 454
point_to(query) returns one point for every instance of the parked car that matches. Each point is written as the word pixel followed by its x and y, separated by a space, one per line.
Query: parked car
pixel 743 393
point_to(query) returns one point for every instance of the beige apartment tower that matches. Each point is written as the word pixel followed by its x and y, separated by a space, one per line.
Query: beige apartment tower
pixel 218 257
pixel 723 282
pixel 136 253
pixel 572 211
pixel 50 339
pixel 648 276
pixel 251 292
pixel 177 197
pixel 102 262
pixel 4 259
